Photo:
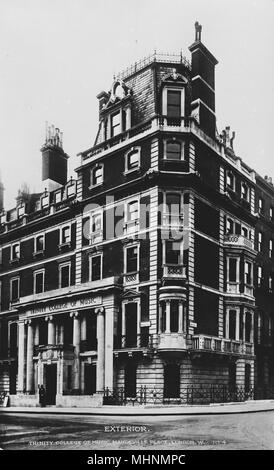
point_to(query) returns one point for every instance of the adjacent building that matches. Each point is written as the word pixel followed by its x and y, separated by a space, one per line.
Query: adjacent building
pixel 148 276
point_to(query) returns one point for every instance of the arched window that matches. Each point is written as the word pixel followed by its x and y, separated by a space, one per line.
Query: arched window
pixel 132 160
pixel 173 150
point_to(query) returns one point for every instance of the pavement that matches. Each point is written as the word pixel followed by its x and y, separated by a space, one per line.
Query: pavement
pixel 251 406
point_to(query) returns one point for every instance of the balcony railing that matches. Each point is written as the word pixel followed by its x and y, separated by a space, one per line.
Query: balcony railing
pixel 238 241
pixel 174 271
pixel 131 278
pixel 135 342
pixel 223 345
pixel 171 341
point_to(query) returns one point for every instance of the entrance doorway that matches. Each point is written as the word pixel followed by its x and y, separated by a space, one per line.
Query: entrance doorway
pixel 130 380
pixel 90 379
pixel 172 381
pixel 13 378
pixel 51 383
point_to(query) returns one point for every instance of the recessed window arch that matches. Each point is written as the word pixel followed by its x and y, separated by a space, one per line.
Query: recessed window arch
pixel 132 159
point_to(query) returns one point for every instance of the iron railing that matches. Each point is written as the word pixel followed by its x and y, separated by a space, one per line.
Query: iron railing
pixel 198 394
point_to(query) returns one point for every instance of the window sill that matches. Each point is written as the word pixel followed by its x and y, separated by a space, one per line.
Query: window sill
pixel 133 170
pixel 38 253
pixel 15 261
pixel 93 186
pixel 64 246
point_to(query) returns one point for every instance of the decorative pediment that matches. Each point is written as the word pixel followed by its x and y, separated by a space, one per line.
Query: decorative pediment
pixel 175 77
pixel 130 294
pixel 119 91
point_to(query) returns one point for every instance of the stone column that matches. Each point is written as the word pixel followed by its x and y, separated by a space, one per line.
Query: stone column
pixel 51 330
pixel 61 332
pixel 100 370
pixel 252 328
pixel 109 319
pixel 138 326
pixel 21 355
pixel 181 315
pixel 167 316
pixel 30 370
pixel 76 344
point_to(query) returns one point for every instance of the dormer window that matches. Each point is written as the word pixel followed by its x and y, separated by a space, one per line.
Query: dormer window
pixel 173 150
pixel 116 127
pixel 173 102
pixel 97 175
pixel 21 210
pixel 45 201
pixel 132 159
pixel 71 190
pixel 58 197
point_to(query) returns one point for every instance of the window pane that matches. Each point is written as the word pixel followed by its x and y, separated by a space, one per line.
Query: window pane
pixel 173 150
pixel 39 283
pixel 232 270
pixel 65 280
pixel 96 225
pixel 172 252
pixel 174 316
pixel 115 124
pixel 174 104
pixel 39 243
pixel 65 234
pixel 14 289
pixel 132 211
pixel 232 324
pixel 133 160
pixel 132 260
pixel 98 175
pixel 95 268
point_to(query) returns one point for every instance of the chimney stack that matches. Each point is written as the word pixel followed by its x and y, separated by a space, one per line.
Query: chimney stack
pixel 54 159
pixel 203 82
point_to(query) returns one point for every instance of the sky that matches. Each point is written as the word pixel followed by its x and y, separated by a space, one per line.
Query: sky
pixel 57 55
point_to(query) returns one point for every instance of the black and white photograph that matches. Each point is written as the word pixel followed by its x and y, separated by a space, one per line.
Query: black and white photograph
pixel 136 229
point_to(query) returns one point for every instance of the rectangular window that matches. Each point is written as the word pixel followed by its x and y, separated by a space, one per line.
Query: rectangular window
pixel 245 192
pixel 232 267
pixel 270 248
pixel 133 160
pixel 260 275
pixel 230 180
pixel 64 275
pixel 271 213
pixel 131 259
pixel 44 201
pixel 96 268
pixel 270 282
pixel 65 235
pixel 173 150
pixel 172 252
pixel 96 222
pixel 116 124
pixel 15 252
pixel 260 241
pixel 39 282
pixel 173 104
pixel 174 316
pixel 58 197
pixel 247 268
pixel 97 175
pixel 132 211
pixel 14 289
pixel 39 243
pixel 21 211
pixel 261 205
pixel 229 226
pixel 173 208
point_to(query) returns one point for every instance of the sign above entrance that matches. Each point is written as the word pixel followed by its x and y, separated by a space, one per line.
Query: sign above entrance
pixel 66 305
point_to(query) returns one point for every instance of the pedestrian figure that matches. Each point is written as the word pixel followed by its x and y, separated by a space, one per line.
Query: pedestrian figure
pixel 42 396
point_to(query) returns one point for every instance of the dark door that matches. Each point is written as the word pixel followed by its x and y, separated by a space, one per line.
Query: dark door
pixel 232 376
pixel 51 382
pixel 131 325
pixel 13 375
pixel 130 380
pixel 247 377
pixel 172 381
pixel 90 379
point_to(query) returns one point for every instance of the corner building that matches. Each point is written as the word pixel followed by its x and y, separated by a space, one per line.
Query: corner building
pixel 148 277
